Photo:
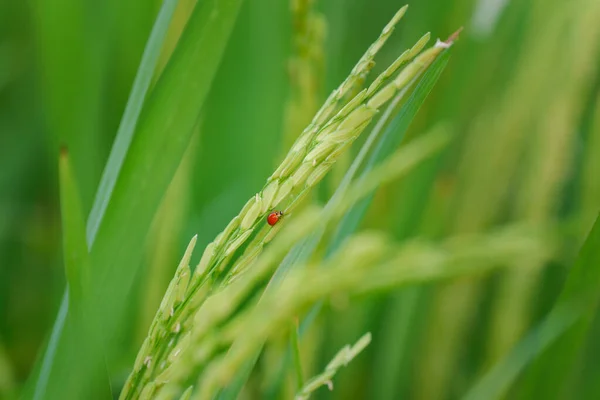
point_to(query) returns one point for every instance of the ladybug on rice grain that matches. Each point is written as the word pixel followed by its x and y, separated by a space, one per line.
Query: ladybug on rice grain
pixel 274 217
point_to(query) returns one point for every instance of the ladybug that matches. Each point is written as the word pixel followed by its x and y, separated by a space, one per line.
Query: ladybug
pixel 274 217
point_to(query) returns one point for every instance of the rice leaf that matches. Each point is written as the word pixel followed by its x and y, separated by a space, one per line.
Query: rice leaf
pixel 120 147
pixel 79 333
pixel 552 370
pixel 162 135
pixel 113 166
pixel 76 257
pixel 556 343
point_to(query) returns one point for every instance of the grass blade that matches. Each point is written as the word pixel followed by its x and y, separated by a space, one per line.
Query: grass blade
pixel 295 348
pixel 495 383
pixel 71 44
pixel 76 260
pixel 552 371
pixel 111 171
pixel 140 88
pixel 557 341
pixel 47 360
pixel 161 136
pixel 76 257
pixel 78 333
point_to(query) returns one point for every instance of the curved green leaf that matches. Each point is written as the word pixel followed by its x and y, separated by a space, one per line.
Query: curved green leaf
pixel 556 343
pixel 162 135
pixel 123 139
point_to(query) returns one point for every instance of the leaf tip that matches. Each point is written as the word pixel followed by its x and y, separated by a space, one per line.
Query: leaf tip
pixel 63 151
pixel 455 36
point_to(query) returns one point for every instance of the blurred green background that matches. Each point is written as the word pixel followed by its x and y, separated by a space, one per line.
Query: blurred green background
pixel 521 90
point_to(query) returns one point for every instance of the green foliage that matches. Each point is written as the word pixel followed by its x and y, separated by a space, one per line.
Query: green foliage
pixel 77 263
pixel 162 135
pixel 556 343
pixel 438 203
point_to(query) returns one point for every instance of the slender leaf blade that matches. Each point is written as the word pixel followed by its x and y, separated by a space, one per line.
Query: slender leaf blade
pixel 123 138
pixel 129 121
pixel 162 135
pixel 76 257
pixel 495 383
pixel 556 343
pixel 76 262
pixel 552 370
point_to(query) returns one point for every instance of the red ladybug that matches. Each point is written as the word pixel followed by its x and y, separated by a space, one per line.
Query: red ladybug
pixel 274 217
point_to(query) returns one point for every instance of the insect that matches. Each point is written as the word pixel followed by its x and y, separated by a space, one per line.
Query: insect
pixel 274 217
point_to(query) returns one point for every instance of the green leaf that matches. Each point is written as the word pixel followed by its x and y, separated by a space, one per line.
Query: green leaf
pixel 72 40
pixel 79 336
pixel 552 371
pixel 76 262
pixel 295 349
pixel 120 147
pixel 554 346
pixel 129 121
pixel 162 135
pixel 76 257
pixel 495 383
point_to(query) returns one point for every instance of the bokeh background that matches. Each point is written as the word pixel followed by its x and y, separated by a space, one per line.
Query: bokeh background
pixel 521 91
